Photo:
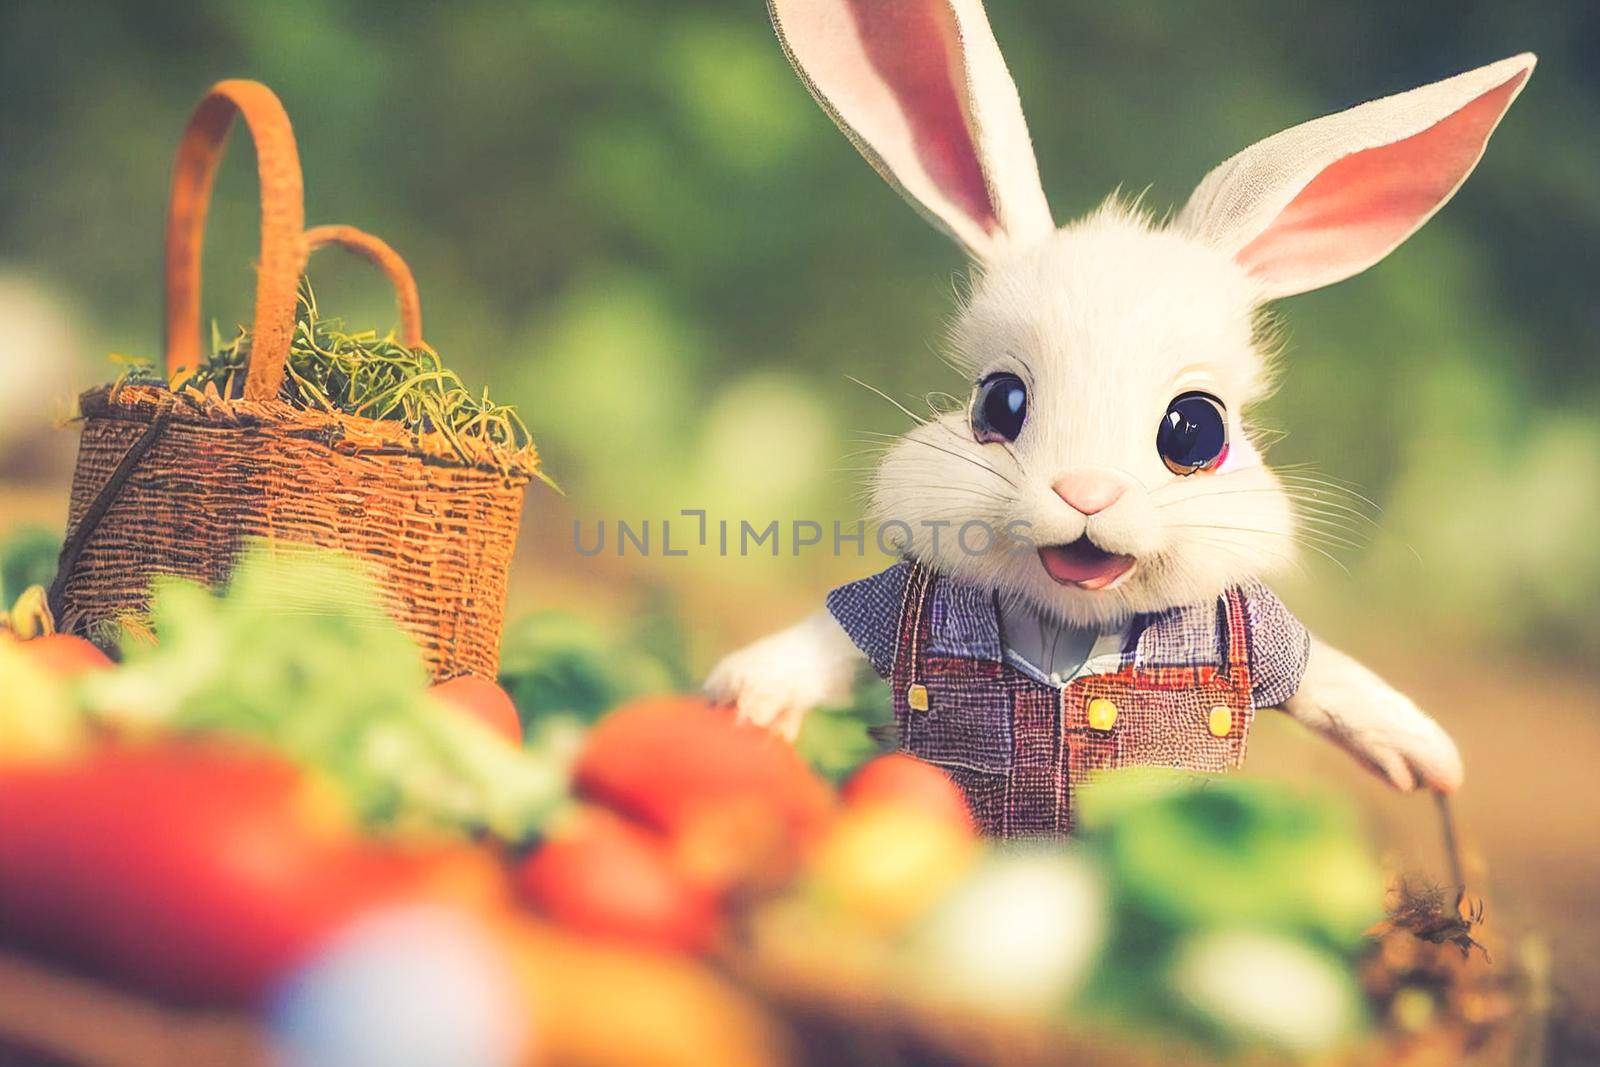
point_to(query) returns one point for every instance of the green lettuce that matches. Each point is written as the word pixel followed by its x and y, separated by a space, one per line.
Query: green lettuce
pixel 298 653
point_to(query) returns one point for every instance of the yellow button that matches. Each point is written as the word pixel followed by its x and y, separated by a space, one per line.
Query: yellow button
pixel 1221 720
pixel 917 696
pixel 1102 713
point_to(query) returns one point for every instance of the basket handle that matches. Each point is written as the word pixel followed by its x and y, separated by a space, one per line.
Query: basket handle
pixel 283 247
pixel 378 252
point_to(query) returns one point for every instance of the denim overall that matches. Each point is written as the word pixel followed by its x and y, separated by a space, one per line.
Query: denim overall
pixel 1019 746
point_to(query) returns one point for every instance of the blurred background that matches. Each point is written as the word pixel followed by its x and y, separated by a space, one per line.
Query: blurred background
pixel 629 219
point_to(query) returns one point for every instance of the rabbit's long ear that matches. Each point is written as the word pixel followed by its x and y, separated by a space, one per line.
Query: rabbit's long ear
pixel 920 88
pixel 1325 200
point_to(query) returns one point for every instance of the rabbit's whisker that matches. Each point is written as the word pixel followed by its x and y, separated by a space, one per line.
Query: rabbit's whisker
pixel 1246 553
pixel 913 416
pixel 1312 483
pixel 1300 535
pixel 948 494
pixel 964 457
pixel 1303 504
pixel 908 439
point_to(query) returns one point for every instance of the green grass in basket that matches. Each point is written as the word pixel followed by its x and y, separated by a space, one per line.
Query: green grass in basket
pixel 376 377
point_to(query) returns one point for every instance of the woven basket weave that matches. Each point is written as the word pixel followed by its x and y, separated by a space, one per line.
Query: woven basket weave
pixel 173 482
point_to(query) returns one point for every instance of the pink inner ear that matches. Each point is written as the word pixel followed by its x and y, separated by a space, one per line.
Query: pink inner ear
pixel 915 53
pixel 1358 209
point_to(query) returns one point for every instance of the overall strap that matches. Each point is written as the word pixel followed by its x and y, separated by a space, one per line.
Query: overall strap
pixel 1237 622
pixel 908 658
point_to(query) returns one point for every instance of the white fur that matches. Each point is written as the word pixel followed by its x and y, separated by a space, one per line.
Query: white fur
pixel 1359 711
pixel 826 45
pixel 1248 194
pixel 1106 320
pixel 778 679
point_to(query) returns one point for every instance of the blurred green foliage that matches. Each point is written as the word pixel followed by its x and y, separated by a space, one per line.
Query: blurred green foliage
pixel 1189 850
pixel 299 654
pixel 1189 858
pixel 564 673
pixel 27 557
pixel 553 663
pixel 838 740
pixel 629 218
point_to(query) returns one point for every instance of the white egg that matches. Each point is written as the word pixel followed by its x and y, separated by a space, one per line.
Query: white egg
pixel 1269 988
pixel 1020 935
pixel 410 987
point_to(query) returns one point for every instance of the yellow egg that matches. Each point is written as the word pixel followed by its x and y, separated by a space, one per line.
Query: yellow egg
pixel 37 719
pixel 888 865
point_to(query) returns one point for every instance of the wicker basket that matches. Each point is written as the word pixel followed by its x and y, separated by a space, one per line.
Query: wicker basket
pixel 173 482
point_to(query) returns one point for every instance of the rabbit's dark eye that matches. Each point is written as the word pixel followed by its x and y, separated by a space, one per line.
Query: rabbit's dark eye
pixel 999 408
pixel 1193 434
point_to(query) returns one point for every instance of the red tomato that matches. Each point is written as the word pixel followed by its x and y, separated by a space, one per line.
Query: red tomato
pixel 66 655
pixel 670 762
pixel 484 701
pixel 195 871
pixel 607 877
pixel 907 781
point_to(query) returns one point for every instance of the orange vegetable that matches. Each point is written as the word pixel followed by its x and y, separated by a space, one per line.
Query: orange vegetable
pixel 484 701
pixel 671 762
pixel 604 876
pixel 196 871
pixel 66 655
pixel 906 781
pixel 613 1005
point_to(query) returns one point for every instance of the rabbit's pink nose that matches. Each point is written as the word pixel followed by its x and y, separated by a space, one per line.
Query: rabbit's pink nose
pixel 1090 489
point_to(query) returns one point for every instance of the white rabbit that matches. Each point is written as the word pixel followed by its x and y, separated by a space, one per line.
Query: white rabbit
pixel 1112 359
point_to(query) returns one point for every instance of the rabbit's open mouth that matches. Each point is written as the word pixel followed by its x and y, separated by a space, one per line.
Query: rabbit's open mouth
pixel 1084 564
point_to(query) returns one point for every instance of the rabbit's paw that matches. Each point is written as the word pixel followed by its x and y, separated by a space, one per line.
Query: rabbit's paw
pixel 1375 722
pixel 779 678
pixel 1407 746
